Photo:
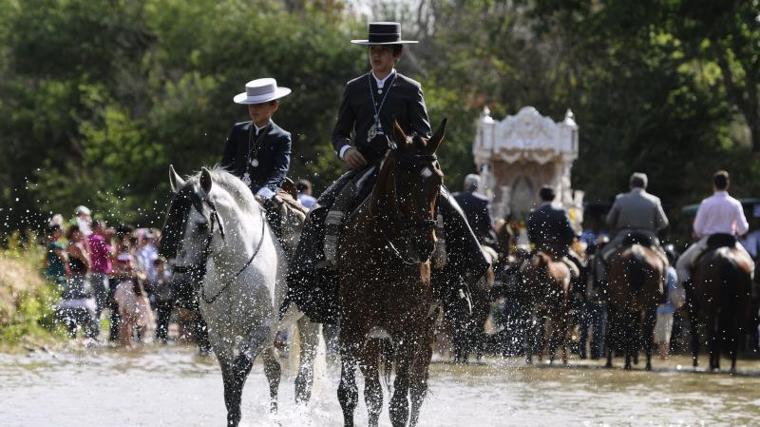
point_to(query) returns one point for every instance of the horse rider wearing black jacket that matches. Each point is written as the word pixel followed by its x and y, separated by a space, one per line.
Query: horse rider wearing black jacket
pixel 549 228
pixel 258 151
pixel 371 104
pixel 477 208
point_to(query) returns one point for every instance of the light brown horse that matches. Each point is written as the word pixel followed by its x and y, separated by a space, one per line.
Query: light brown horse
pixel 720 302
pixel 546 288
pixel 635 289
pixel 384 277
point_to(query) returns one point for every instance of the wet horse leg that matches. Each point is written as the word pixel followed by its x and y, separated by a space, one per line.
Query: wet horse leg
pixel 308 333
pixel 399 404
pixel 650 318
pixel 418 385
pixel 272 371
pixel 610 336
pixel 713 340
pixel 373 392
pixel 695 323
pixel 348 395
pixel 234 374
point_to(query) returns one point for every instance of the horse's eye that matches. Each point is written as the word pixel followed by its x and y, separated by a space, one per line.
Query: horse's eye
pixel 201 226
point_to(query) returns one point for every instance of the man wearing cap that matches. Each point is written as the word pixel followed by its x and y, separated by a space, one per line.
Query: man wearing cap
pixel 258 151
pixel 636 211
pixel 370 105
pixel 476 207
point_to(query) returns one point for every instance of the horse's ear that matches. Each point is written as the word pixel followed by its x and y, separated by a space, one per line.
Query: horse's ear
pixel 435 141
pixel 206 181
pixel 398 134
pixel 175 181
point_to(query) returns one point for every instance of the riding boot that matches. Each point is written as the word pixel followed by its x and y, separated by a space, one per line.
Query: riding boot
pixel 274 216
pixel 311 286
pixel 466 260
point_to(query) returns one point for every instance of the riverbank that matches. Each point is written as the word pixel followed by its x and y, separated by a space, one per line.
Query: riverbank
pixel 26 301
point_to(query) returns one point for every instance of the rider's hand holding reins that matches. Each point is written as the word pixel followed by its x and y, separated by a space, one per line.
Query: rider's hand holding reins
pixel 355 159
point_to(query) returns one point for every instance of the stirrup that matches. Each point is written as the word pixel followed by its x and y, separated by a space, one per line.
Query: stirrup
pixel 333 222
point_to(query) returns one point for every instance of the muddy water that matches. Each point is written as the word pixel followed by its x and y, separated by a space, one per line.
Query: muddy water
pixel 170 386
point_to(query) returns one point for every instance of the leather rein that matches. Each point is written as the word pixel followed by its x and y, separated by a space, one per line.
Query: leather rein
pixel 395 216
pixel 198 271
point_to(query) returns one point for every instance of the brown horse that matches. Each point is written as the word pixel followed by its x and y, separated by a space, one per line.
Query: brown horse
pixel 384 274
pixel 720 302
pixel 546 288
pixel 635 289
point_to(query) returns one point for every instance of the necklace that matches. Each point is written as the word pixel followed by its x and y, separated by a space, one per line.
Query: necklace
pixel 377 127
pixel 251 160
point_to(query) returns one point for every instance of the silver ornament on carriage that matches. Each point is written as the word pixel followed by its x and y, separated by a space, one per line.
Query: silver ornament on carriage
pixel 247 179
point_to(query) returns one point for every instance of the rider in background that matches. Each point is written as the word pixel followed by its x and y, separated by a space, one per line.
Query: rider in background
pixel 476 207
pixel 550 231
pixel 717 214
pixel 258 151
pixel 635 212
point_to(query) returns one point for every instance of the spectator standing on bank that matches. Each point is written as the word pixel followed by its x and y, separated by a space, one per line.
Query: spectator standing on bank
pixel 164 299
pixel 101 258
pixel 56 265
pixel 675 299
pixel 146 255
pixel 84 220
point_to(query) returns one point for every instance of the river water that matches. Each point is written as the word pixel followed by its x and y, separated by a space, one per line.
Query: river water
pixel 171 386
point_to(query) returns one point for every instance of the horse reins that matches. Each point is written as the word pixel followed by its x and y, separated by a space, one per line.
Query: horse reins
pixel 198 271
pixel 396 217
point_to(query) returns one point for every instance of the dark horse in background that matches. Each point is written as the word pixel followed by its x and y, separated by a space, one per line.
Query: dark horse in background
pixel 720 299
pixel 636 279
pixel 546 288
pixel 385 288
pixel 468 311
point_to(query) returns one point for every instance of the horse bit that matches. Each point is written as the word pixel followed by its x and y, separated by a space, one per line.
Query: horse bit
pixel 198 271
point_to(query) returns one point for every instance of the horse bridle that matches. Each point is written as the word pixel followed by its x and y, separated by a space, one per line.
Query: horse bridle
pixel 198 271
pixel 423 225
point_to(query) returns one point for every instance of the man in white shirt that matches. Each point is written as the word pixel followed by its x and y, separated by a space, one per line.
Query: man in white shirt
pixel 717 214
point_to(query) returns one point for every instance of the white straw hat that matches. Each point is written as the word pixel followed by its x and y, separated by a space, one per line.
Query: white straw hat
pixel 260 91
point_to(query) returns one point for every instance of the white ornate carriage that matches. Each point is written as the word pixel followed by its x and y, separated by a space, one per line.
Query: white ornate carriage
pixel 520 154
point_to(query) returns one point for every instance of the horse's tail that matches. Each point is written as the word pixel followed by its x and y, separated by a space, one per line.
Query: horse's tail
pixel 636 267
pixel 387 357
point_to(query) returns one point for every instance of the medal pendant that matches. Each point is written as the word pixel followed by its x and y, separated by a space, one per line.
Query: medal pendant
pixel 372 133
pixel 255 163
pixel 247 179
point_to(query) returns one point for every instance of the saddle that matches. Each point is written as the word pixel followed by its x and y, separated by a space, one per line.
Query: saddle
pixel 720 240
pixel 286 216
pixel 639 238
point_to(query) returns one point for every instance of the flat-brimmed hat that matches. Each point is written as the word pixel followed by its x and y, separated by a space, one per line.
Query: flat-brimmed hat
pixel 260 91
pixel 382 33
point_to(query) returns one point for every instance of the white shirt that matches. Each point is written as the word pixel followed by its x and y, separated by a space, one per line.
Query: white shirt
pixel 720 213
pixel 380 84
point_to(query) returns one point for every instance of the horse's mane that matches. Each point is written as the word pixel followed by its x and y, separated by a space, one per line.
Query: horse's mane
pixel 232 184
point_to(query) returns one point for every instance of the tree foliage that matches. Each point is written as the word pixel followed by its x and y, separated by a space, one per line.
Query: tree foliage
pixel 99 96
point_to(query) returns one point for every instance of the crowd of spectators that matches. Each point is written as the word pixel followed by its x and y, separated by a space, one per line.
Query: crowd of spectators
pixel 100 269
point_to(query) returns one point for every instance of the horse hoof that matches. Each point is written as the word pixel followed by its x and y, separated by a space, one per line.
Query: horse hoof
pixel 608 365
pixel 648 367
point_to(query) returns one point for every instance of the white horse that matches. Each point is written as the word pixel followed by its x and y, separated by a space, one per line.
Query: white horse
pixel 217 232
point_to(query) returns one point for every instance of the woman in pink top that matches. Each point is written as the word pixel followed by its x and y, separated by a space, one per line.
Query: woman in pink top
pixel 101 267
